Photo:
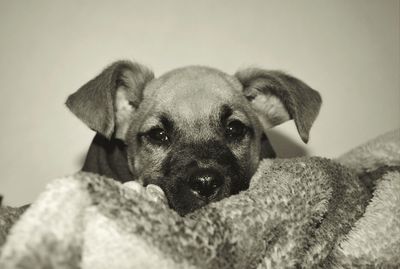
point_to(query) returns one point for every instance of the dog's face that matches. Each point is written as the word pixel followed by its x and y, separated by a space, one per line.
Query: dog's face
pixel 196 132
pixel 195 136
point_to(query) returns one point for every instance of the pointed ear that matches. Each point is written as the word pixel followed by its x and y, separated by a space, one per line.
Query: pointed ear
pixel 106 103
pixel 277 97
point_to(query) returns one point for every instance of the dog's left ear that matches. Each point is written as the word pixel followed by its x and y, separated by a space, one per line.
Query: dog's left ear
pixel 107 102
pixel 277 97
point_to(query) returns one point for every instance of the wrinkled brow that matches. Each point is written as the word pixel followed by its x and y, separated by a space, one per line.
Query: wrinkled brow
pixel 167 122
pixel 224 113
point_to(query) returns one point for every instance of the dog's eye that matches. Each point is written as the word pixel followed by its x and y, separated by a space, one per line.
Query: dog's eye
pixel 158 136
pixel 235 130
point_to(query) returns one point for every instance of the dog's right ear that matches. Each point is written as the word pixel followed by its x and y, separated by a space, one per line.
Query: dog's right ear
pixel 107 102
pixel 277 97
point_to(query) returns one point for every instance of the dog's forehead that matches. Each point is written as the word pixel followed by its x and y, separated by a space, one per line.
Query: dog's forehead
pixel 193 81
pixel 193 89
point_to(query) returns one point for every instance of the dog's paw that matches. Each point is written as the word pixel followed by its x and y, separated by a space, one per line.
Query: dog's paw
pixel 156 193
pixel 135 186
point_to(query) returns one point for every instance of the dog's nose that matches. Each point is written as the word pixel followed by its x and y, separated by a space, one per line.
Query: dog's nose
pixel 206 182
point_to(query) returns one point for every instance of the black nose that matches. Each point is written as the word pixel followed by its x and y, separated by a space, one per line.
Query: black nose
pixel 205 182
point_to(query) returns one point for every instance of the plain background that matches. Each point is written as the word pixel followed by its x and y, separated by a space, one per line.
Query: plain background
pixel 347 50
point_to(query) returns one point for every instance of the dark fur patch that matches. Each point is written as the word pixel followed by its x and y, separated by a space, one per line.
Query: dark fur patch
pixel 167 123
pixel 185 158
pixel 225 113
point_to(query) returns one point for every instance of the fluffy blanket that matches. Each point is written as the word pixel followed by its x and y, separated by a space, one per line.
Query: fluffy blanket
pixel 297 213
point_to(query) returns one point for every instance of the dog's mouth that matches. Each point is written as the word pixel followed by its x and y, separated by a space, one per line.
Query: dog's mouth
pixel 185 198
pixel 194 175
pixel 183 207
pixel 206 199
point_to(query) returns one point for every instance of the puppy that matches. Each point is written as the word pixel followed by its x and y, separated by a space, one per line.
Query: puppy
pixel 196 132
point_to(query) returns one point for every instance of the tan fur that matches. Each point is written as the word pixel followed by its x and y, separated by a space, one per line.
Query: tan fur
pixel 192 96
pixel 271 106
pixel 123 113
pixel 127 105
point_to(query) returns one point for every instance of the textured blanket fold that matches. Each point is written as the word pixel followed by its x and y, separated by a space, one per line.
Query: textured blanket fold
pixel 302 212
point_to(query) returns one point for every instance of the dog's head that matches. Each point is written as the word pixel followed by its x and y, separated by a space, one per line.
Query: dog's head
pixel 196 132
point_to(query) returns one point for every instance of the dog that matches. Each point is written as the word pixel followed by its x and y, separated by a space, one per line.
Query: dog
pixel 196 132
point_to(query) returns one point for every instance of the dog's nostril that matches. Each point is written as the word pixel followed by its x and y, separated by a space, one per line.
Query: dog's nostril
pixel 206 182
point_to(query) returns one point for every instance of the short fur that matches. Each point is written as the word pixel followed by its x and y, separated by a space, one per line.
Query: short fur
pixel 193 106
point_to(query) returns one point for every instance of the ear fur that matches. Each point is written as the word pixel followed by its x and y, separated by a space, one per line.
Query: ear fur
pixel 106 102
pixel 278 97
